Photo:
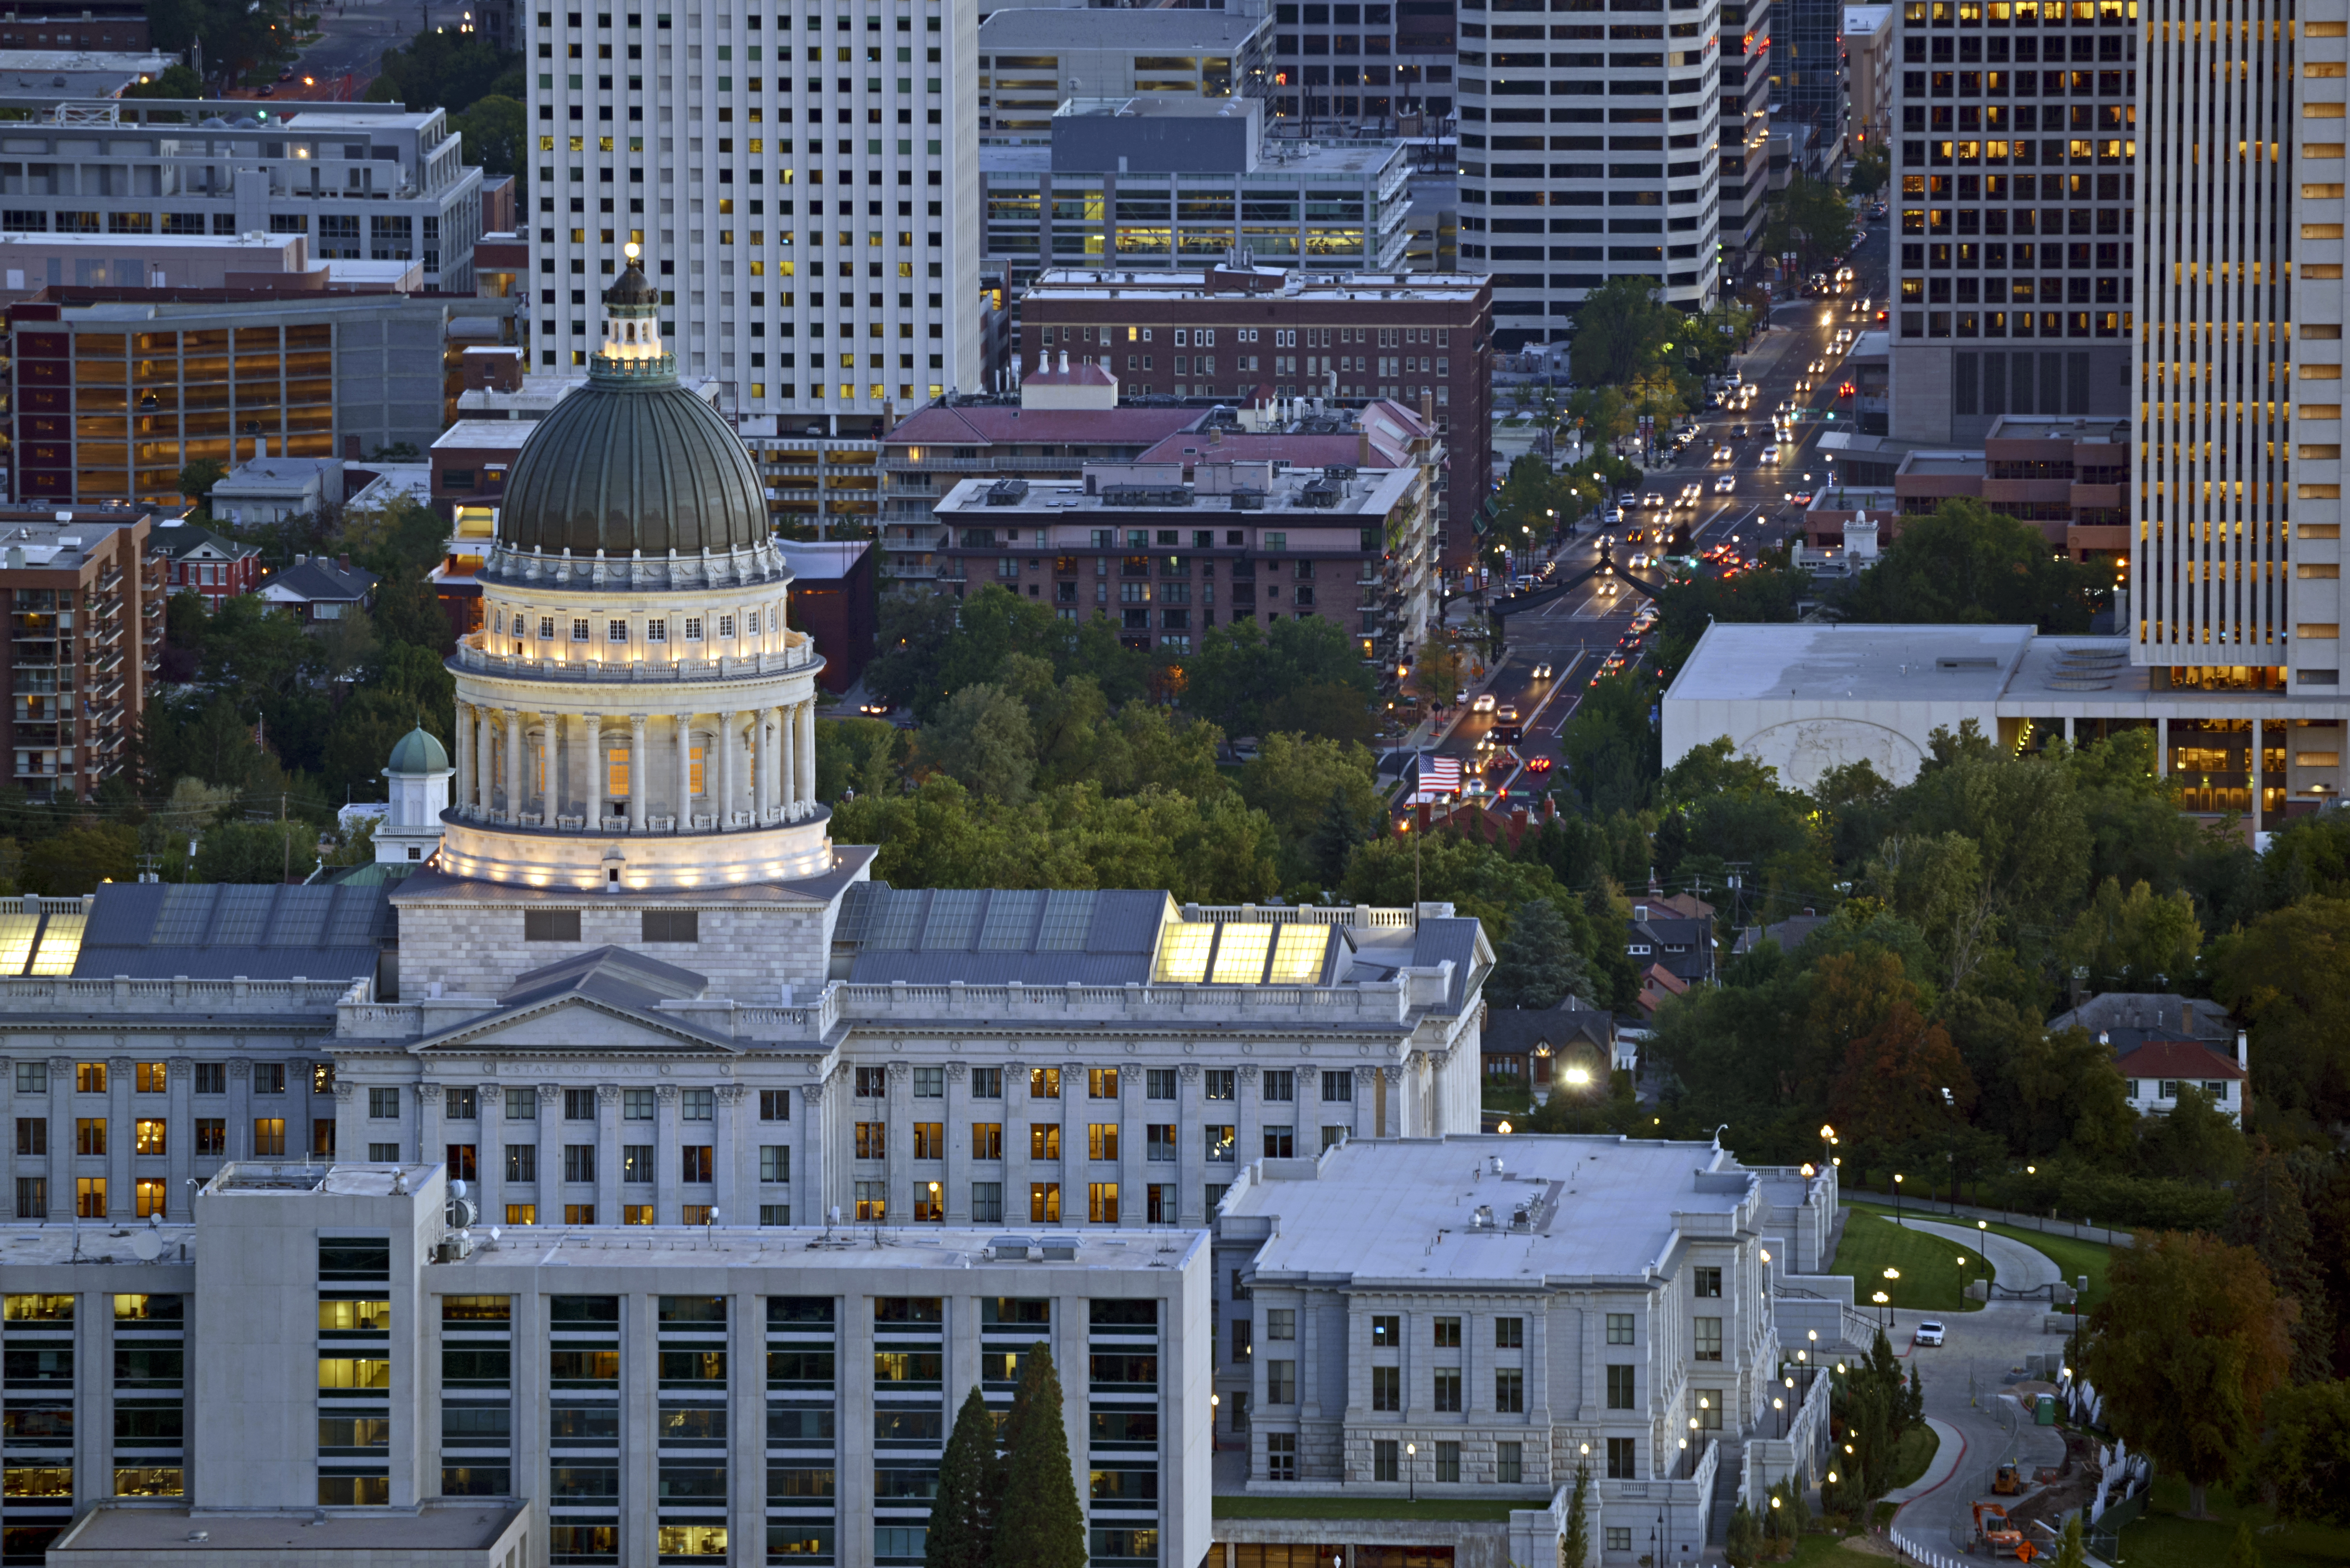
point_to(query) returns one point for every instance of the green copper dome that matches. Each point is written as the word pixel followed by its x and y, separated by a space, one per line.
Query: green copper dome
pixel 632 461
pixel 419 752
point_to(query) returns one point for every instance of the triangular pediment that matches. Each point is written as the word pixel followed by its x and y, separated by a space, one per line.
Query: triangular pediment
pixel 574 1026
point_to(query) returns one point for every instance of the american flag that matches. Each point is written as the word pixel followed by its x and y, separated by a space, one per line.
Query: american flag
pixel 1440 774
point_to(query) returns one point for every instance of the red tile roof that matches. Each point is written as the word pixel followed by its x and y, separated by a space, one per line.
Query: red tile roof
pixel 2176 1059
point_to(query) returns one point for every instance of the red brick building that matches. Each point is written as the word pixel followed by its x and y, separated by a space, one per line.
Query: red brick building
pixel 1252 332
pixel 85 605
pixel 199 561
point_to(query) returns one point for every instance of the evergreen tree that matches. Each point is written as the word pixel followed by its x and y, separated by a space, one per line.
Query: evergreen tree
pixel 963 1522
pixel 1575 1545
pixel 1537 964
pixel 2070 1551
pixel 1039 1523
pixel 2243 1552
pixel 1743 1545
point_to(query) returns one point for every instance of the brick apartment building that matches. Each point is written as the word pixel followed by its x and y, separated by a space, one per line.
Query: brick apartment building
pixel 85 605
pixel 198 561
pixel 1169 549
pixel 1248 333
pixel 107 29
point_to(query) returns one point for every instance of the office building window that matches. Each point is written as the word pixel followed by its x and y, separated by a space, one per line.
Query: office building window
pixel 1386 1388
pixel 1509 1463
pixel 1280 1454
pixel 1448 1461
pixel 384 1104
pixel 1619 1328
pixel 1386 1460
pixel 1280 1382
pixel 1446 1392
pixel 774 1105
pixel 1623 1458
pixel 1621 1388
pixel 1044 1202
pixel 987 1204
pixel 1707 1343
pixel 1509 1390
pixel 872 1201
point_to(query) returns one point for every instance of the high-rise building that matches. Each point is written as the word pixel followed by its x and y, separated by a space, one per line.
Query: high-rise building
pixel 1374 68
pixel 2238 484
pixel 1035 57
pixel 806 177
pixel 2016 153
pixel 1746 56
pixel 1589 150
pixel 1808 69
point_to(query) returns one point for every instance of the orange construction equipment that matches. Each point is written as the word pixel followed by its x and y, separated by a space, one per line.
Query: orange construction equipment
pixel 1992 1528
pixel 2006 1482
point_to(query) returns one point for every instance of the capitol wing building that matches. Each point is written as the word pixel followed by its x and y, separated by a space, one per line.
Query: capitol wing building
pixel 709 1089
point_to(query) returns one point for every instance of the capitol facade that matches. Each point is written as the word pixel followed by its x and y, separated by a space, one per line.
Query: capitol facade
pixel 614 976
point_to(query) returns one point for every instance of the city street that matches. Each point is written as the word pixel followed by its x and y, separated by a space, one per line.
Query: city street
pixel 1576 632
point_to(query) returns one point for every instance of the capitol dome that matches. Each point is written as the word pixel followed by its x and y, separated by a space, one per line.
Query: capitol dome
pixel 633 461
pixel 418 751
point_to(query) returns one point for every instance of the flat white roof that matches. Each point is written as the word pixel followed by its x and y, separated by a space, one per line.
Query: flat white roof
pixel 1816 661
pixel 1403 1209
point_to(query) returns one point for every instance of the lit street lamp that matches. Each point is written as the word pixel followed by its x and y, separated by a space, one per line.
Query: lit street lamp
pixel 1411 1469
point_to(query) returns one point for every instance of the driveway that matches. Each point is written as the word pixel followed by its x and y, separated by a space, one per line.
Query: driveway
pixel 1965 1381
pixel 2017 1265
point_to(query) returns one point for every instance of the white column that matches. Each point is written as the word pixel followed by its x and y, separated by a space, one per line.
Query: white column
pixel 685 773
pixel 786 769
pixel 804 754
pixel 636 772
pixel 484 750
pixel 464 737
pixel 728 740
pixel 514 765
pixel 762 771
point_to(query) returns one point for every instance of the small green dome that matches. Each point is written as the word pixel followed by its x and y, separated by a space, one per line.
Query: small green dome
pixel 419 752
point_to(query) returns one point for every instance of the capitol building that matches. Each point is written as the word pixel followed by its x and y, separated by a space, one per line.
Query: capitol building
pixel 715 1096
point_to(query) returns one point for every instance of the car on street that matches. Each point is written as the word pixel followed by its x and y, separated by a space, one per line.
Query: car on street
pixel 1483 704
pixel 1691 493
pixel 1655 502
pixel 1771 453
pixel 874 709
pixel 1461 697
pixel 1929 1333
pixel 1538 765
pixel 1802 498
pixel 1725 485
pixel 1639 560
pixel 1542 671
pixel 1723 454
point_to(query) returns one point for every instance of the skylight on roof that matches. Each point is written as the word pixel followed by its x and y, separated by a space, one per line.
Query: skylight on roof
pixel 60 943
pixel 1241 952
pixel 1183 952
pixel 1297 957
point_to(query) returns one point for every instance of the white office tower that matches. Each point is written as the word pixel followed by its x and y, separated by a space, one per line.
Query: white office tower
pixel 2235 562
pixel 1590 149
pixel 806 173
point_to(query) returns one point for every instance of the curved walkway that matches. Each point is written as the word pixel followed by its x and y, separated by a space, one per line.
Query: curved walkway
pixel 1951 1448
pixel 2019 1265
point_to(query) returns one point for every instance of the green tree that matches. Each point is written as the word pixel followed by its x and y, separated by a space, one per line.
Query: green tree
pixel 2134 940
pixel 2243 1551
pixel 2186 1348
pixel 2305 1462
pixel 962 1520
pixel 2072 1551
pixel 245 40
pixel 1962 562
pixel 1743 1543
pixel 1040 1523
pixel 981 738
pixel 2289 974
pixel 1538 965
pixel 861 754
pixel 197 479
pixel 67 864
pixel 447 70
pixel 1575 1541
pixel 257 852
pixel 1302 677
pixel 1870 170
pixel 1812 220
pixel 2268 1216
pixel 1621 333
pixel 176 80
pixel 493 133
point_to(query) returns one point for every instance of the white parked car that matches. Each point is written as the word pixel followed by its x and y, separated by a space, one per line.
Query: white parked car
pixel 1929 1333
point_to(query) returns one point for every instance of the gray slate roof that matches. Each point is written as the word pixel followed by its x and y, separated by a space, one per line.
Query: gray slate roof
pixel 930 936
pixel 154 930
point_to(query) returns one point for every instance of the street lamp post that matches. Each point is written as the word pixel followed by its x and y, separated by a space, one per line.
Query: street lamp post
pixel 1411 1469
pixel 1982 1240
pixel 1897 1198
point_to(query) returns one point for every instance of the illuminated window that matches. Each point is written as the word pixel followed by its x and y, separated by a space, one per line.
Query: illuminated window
pixel 1297 956
pixel 1240 954
pixel 694 767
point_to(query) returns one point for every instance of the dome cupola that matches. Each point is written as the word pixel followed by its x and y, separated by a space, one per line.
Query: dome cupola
pixel 633 462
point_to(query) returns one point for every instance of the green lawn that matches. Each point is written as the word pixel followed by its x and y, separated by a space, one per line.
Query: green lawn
pixel 2161 1539
pixel 1931 1276
pixel 1917 1451
pixel 1473 1508
pixel 2075 1257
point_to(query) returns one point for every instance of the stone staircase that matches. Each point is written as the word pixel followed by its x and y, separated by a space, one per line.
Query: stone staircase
pixel 1729 1470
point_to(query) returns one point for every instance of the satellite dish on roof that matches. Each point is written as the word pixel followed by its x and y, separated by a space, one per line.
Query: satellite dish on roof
pixel 147 1246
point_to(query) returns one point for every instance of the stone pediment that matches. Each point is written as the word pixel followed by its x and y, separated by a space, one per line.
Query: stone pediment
pixel 575 1026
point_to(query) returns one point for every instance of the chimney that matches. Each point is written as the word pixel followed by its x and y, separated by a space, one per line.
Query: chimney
pixel 2187 1019
pixel 1215 435
pixel 1362 449
pixel 344 562
pixel 1428 408
pixel 2241 1064
pixel 1044 362
pixel 1065 361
